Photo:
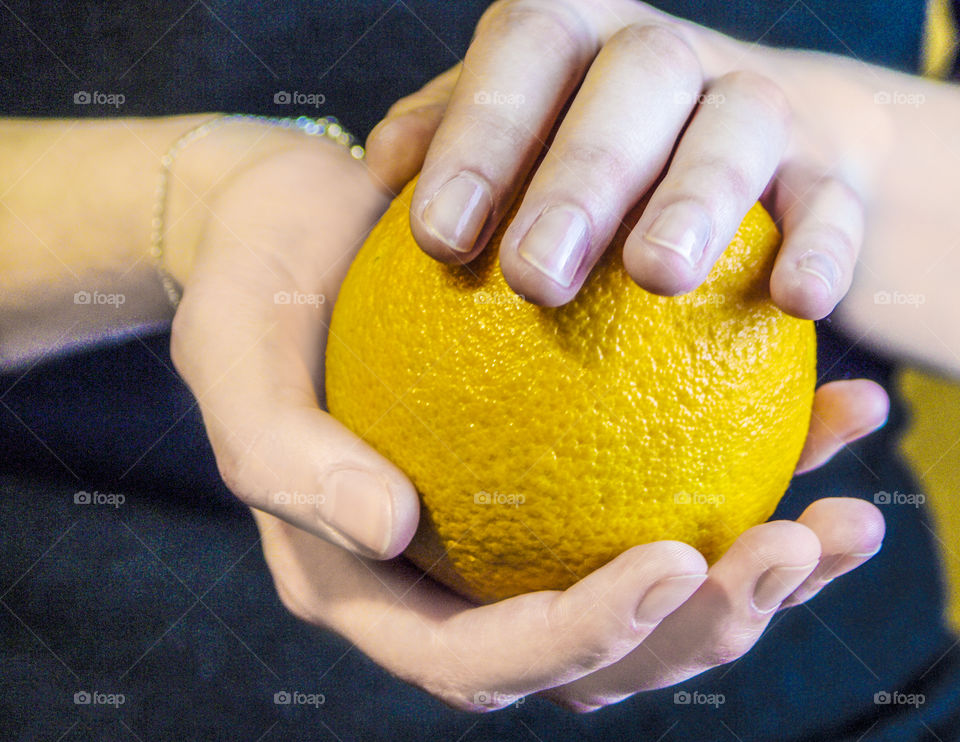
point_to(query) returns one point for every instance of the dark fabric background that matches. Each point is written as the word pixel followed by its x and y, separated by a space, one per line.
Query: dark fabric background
pixel 166 599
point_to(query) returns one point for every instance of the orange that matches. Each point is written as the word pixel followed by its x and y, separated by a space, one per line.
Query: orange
pixel 546 441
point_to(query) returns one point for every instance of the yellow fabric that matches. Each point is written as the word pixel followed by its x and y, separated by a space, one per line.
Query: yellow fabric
pixel 932 447
pixel 940 39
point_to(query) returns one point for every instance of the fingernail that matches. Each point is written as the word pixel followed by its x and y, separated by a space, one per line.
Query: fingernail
pixel 775 585
pixel 457 212
pixel 665 597
pixel 682 227
pixel 358 505
pixel 556 243
pixel 820 266
pixel 835 565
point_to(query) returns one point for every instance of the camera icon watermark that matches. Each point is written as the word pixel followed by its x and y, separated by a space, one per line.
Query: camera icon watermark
pixel 512 499
pixel 498 98
pixel 98 698
pixel 696 698
pixel 509 299
pixel 699 498
pixel 914 499
pixel 299 698
pixel 298 98
pixel 299 298
pixel 99 498
pixel 896 698
pixel 899 298
pixel 898 98
pixel 98 298
pixel 298 498
pixel 496 699
pixel 98 98
pixel 701 99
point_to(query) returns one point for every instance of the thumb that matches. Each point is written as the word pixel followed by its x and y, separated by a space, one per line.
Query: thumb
pixel 252 374
pixel 398 144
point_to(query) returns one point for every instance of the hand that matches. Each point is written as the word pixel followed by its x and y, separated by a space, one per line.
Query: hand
pixel 650 618
pixel 651 84
pixel 288 215
pixel 291 220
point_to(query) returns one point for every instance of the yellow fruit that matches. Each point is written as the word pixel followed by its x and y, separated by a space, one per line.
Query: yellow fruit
pixel 544 442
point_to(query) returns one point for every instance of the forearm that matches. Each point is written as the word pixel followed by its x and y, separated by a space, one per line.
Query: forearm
pixel 76 209
pixel 904 297
pixel 899 145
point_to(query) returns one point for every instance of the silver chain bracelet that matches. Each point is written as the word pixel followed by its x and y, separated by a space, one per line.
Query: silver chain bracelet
pixel 327 127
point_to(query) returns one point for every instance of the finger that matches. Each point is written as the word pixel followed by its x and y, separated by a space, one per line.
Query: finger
pixel 718 624
pixel 397 145
pixel 613 143
pixel 850 532
pixel 722 165
pixel 843 411
pixel 484 657
pixel 823 223
pixel 524 63
pixel 254 363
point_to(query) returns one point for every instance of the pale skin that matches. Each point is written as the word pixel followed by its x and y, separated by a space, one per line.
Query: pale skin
pixel 255 211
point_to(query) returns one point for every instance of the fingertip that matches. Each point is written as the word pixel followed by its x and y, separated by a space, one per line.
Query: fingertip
pixel 801 294
pixel 527 281
pixel 657 269
pixel 397 146
pixel 406 515
pixel 780 543
pixel 849 525
pixel 874 404
pixel 448 215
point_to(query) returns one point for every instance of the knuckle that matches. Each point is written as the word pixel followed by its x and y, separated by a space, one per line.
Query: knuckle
pixel 586 160
pixel 578 705
pixel 178 342
pixel 761 90
pixel 291 603
pixel 596 637
pixel 667 49
pixel 836 241
pixel 731 645
pixel 494 137
pixel 716 182
pixel 551 26
pixel 839 191
pixel 230 467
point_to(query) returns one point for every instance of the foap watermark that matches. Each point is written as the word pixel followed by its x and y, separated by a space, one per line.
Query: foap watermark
pixel 298 498
pixel 99 299
pixel 298 698
pixel 512 499
pixel 699 498
pixel 696 698
pixel 98 98
pixel 507 299
pixel 113 499
pixel 299 298
pixel 702 99
pixel 914 499
pixel 898 98
pixel 896 698
pixel 899 298
pixel 298 98
pixel 98 698
pixel 713 300
pixel 498 98
pixel 496 699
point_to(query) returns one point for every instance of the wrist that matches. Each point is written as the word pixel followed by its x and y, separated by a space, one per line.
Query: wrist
pixel 201 173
